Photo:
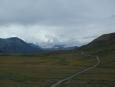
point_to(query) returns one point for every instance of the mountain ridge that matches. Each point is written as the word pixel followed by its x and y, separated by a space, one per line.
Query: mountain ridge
pixel 103 43
pixel 17 45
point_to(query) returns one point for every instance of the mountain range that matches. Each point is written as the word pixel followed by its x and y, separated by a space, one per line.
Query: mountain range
pixel 16 45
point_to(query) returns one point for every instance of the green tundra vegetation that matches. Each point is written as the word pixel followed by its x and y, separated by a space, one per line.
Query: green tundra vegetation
pixel 45 70
pixel 40 70
pixel 101 76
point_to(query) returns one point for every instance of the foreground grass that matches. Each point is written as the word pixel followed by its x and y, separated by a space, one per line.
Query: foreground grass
pixel 41 70
pixel 45 70
pixel 101 76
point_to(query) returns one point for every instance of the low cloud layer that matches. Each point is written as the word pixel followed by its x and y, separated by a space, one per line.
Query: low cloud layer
pixel 50 22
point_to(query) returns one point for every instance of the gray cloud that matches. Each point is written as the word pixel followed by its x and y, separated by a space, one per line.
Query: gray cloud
pixel 48 22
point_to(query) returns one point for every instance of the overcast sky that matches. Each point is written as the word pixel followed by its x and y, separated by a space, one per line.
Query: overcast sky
pixel 49 22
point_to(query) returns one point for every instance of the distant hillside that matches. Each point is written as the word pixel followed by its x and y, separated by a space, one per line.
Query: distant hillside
pixel 16 45
pixel 104 43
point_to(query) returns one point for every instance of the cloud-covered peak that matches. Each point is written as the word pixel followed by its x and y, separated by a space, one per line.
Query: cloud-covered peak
pixel 50 22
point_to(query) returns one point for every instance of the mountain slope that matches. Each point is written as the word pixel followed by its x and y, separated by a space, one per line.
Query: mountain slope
pixel 16 45
pixel 104 43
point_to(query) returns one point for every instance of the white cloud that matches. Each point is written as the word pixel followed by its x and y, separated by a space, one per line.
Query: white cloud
pixel 49 22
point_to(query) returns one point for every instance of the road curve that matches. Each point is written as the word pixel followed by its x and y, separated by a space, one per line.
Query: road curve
pixel 76 74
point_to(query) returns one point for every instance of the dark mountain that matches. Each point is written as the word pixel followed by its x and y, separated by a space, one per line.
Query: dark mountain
pixel 16 45
pixel 103 43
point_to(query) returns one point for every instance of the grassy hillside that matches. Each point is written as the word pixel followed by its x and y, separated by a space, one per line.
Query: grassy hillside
pixel 104 43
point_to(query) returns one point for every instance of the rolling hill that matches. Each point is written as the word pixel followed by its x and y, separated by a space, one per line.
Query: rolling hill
pixel 103 44
pixel 16 45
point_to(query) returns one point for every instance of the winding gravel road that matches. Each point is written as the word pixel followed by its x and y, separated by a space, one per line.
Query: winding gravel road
pixel 76 74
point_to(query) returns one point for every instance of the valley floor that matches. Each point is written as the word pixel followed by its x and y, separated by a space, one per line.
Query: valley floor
pixel 46 70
